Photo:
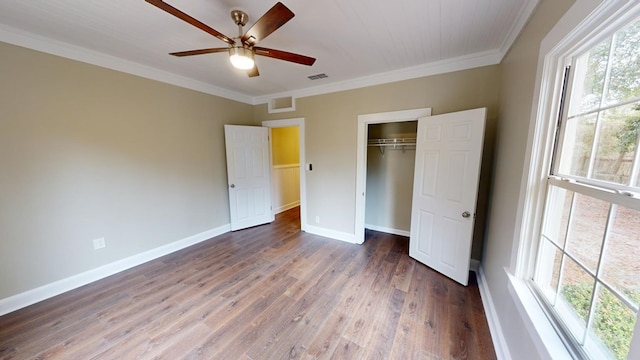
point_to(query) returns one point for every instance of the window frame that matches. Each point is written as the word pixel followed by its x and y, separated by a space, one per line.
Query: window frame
pixel 570 61
pixel 613 199
pixel 591 22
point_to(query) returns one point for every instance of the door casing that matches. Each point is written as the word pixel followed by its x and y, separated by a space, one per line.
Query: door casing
pixel 361 157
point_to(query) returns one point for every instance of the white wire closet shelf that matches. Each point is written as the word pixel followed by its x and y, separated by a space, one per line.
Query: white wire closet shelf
pixel 393 143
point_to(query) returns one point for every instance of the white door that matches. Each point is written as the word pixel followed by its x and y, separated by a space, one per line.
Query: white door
pixel 445 188
pixel 249 175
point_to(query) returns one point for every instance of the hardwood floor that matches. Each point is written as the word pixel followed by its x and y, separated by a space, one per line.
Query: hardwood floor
pixel 269 292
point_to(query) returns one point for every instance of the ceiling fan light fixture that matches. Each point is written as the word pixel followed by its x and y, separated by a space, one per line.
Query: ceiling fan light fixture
pixel 241 57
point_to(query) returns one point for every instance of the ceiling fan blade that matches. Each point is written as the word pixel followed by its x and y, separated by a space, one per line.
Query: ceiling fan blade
pixel 253 72
pixel 277 16
pixel 199 52
pixel 179 14
pixel 284 55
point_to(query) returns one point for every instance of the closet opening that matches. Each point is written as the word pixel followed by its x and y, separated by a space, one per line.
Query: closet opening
pixel 388 219
pixel 390 163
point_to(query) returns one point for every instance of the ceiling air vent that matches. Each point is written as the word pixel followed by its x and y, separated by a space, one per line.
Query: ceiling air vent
pixel 317 76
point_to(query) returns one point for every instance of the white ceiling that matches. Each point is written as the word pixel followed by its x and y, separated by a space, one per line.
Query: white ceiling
pixel 356 42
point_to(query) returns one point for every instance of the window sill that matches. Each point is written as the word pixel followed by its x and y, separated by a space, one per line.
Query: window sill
pixel 543 334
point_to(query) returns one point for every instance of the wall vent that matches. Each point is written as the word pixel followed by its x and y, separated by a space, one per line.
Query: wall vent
pixel 317 76
pixel 283 104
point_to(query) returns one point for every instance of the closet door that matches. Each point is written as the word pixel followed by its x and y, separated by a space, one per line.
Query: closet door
pixel 445 188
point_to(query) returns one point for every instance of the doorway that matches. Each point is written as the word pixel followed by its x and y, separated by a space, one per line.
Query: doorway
pixel 391 153
pixel 284 167
pixel 362 147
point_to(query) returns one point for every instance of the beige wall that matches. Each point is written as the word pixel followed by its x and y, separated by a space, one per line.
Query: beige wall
pixel 285 145
pixel 87 152
pixel 331 125
pixel 518 81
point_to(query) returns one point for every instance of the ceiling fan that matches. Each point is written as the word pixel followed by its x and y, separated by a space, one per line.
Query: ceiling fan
pixel 242 49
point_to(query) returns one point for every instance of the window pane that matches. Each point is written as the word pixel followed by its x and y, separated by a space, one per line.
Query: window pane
pixel 557 215
pixel 586 229
pixel 576 290
pixel 548 270
pixel 577 144
pixel 612 326
pixel 624 83
pixel 620 266
pixel 587 265
pixel 589 77
pixel 616 144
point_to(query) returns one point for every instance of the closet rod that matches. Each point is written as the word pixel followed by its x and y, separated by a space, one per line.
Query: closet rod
pixel 392 141
pixel 396 143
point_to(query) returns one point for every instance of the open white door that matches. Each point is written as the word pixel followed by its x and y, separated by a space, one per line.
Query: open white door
pixel 445 188
pixel 249 175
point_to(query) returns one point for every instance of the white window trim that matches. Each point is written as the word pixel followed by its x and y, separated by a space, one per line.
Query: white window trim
pixel 585 19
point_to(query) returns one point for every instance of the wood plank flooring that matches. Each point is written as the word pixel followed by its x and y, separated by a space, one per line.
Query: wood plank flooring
pixel 269 292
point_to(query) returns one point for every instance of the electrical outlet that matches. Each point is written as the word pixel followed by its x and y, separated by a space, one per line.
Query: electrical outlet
pixel 317 219
pixel 99 243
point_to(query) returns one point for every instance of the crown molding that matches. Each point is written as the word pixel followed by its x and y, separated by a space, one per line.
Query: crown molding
pixel 486 58
pixel 32 41
pixel 36 42
pixel 524 15
pixel 440 67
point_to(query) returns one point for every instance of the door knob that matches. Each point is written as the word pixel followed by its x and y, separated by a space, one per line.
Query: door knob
pixel 466 214
pixel 232 186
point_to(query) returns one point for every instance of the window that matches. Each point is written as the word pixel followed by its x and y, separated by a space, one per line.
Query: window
pixel 587 268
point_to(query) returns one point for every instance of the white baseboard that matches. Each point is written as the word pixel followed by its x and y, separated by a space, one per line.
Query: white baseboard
pixel 44 292
pixel 332 234
pixel 499 342
pixel 387 230
pixel 286 207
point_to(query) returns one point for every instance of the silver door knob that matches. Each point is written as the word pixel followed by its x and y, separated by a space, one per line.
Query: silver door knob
pixel 232 186
pixel 466 214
